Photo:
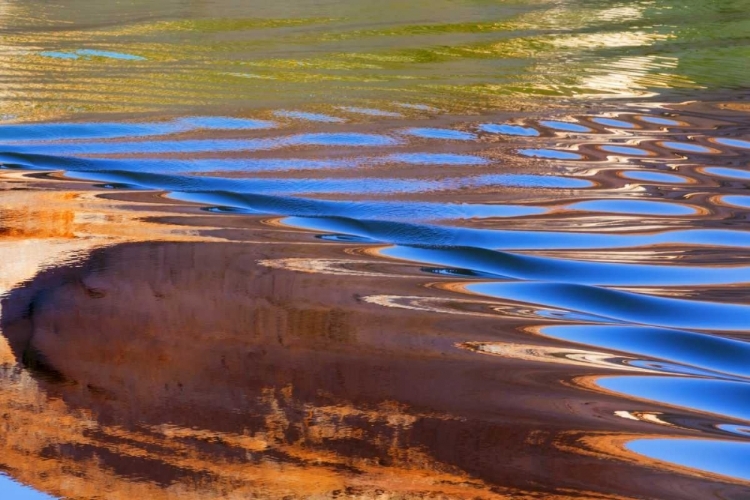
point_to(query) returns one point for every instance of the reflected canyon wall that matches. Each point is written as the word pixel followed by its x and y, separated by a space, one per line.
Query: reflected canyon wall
pixel 189 369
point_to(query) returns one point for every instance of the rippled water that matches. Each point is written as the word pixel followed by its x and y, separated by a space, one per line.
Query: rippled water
pixel 313 249
pixel 176 56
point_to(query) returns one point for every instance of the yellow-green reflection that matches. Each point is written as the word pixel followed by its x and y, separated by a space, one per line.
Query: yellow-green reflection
pixel 71 58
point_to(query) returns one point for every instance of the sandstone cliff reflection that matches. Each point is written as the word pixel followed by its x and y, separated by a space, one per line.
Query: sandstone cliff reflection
pixel 188 367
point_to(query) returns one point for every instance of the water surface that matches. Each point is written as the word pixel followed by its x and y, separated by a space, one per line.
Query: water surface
pixel 324 249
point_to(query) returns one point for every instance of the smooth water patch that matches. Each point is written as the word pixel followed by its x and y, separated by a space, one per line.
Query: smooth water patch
pixel 537 181
pixel 726 458
pixel 507 129
pixel 725 398
pixel 704 352
pixel 611 122
pixel 687 147
pixel 565 126
pixel 15 491
pixel 625 150
pixel 312 117
pixel 657 120
pixel 635 207
pixel 342 139
pixel 551 154
pixel 92 53
pixel 148 147
pixel 222 123
pixel 109 55
pixel 623 306
pixel 110 130
pixel 440 133
pixel 436 159
pixel 737 200
pixel 735 143
pixel 661 177
pixel 205 145
pixel 728 172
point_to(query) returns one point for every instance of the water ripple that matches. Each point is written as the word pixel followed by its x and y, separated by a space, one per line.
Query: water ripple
pixel 594 230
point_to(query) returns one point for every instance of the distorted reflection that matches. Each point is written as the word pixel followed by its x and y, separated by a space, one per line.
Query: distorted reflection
pixel 363 249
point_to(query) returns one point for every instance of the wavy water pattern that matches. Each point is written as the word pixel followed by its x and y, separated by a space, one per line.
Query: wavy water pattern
pixel 621 231
pixel 302 249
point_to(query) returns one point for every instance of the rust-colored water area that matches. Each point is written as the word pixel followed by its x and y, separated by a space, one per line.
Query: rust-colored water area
pixel 464 250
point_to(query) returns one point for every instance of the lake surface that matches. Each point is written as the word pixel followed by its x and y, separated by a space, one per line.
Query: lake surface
pixel 317 249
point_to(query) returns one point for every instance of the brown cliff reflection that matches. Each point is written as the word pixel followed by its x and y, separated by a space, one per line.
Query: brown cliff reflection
pixel 198 370
pixel 187 369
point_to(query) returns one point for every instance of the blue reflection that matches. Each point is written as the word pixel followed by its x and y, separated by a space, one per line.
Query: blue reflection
pixel 92 53
pixel 109 55
pixel 507 129
pixel 413 234
pixel 727 398
pixel 656 120
pixel 12 490
pixel 565 126
pixel 728 458
pixel 686 146
pixel 436 159
pixel 550 153
pixel 728 172
pixel 623 306
pixel 735 143
pixel 244 165
pixel 205 145
pixel 60 131
pixel 611 122
pixel 222 123
pixel 644 175
pixel 641 207
pixel 341 139
pixel 737 200
pixel 535 268
pixel 440 133
pixel 625 150
pixel 181 183
pixel 707 353
pixel 537 181
pixel 740 430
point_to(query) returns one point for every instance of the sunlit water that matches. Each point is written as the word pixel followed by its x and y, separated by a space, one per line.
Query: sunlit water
pixel 531 156
pixel 177 56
